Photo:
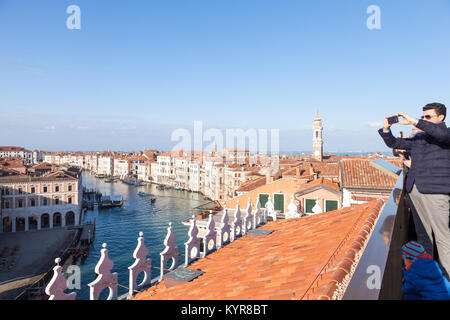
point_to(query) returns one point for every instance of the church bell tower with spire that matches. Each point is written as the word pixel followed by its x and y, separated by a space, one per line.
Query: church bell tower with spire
pixel 317 138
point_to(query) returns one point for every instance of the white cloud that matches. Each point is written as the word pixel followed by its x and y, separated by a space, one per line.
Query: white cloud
pixel 50 128
pixel 81 128
pixel 375 124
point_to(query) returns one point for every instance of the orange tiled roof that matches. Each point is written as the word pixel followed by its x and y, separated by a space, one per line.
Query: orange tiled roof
pixel 359 173
pixel 304 258
pixel 252 184
pixel 320 182
pixel 12 148
pixel 322 168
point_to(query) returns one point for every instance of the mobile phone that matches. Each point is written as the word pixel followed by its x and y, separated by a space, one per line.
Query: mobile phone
pixel 392 120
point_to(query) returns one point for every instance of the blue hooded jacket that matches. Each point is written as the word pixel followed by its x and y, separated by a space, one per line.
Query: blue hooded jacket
pixel 424 281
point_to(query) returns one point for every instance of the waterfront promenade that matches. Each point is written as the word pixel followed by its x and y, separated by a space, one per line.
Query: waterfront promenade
pixel 28 256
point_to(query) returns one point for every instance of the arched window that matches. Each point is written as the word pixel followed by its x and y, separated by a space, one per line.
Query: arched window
pixel 7 225
pixel 32 222
pixel 70 218
pixel 45 221
pixel 57 219
pixel 20 224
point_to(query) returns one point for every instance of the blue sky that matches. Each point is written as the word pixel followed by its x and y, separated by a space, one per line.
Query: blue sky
pixel 138 70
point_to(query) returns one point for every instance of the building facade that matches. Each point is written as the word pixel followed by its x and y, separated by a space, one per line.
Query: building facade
pixel 17 152
pixel 35 203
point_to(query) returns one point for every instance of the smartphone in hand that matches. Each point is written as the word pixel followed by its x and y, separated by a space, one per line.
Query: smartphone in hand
pixel 392 120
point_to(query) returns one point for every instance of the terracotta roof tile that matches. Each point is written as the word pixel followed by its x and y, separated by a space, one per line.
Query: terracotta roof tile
pixel 303 258
pixel 359 173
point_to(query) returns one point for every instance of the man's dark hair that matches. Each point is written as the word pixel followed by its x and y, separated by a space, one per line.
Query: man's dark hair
pixel 438 107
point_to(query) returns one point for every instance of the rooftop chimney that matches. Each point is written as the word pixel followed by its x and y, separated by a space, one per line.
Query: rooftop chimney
pixel 311 169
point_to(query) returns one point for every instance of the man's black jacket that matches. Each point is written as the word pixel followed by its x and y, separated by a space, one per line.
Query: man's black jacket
pixel 430 155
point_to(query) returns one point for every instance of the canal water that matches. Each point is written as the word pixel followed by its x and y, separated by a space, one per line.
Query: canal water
pixel 119 227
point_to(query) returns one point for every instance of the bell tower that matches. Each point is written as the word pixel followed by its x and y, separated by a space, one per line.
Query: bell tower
pixel 317 138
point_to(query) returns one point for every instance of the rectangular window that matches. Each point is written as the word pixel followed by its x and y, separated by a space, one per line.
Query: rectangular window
pixel 45 189
pixel 33 190
pixel 69 200
pixel 32 202
pixel 279 202
pixel 263 198
pixel 20 190
pixel 6 204
pixel 70 187
pixel 56 188
pixel 56 200
pixel 45 202
pixel 331 205
pixel 309 205
pixel 20 203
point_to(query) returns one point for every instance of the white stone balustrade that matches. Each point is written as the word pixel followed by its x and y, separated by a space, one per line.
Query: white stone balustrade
pixel 237 222
pixel 141 264
pixel 209 241
pixel 58 284
pixel 170 252
pixel 105 279
pixel 248 219
pixel 257 215
pixel 212 240
pixel 292 210
pixel 225 229
pixel 270 210
pixel 192 246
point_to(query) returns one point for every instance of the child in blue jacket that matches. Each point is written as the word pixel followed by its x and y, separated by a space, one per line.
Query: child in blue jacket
pixel 423 279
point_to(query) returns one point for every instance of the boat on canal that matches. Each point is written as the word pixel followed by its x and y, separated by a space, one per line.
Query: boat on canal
pixel 133 183
pixel 108 202
pixel 144 194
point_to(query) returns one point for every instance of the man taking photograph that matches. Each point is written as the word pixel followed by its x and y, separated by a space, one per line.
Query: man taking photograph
pixel 428 179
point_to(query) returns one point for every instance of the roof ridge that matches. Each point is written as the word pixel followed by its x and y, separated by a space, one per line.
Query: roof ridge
pixel 343 269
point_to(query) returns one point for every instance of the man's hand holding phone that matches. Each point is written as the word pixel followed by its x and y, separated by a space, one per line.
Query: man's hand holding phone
pixel 389 121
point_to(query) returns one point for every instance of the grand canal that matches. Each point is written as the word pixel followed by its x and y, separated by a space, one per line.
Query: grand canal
pixel 120 227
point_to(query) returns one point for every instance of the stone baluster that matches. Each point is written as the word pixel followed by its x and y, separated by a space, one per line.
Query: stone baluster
pixel 237 222
pixel 225 229
pixel 192 246
pixel 58 284
pixel 170 252
pixel 257 217
pixel 292 210
pixel 270 210
pixel 248 220
pixel 209 241
pixel 105 279
pixel 141 264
